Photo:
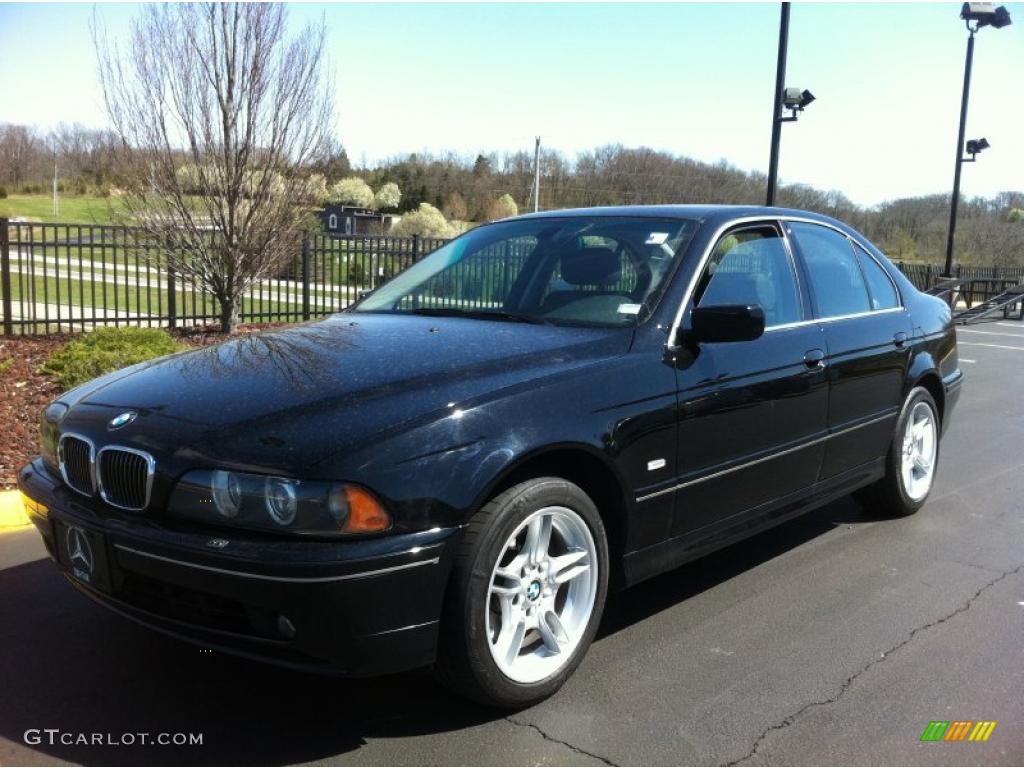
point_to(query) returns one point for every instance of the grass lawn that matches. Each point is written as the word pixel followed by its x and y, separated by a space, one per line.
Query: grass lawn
pixel 74 209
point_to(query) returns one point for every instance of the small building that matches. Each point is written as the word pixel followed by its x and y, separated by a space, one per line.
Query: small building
pixel 338 219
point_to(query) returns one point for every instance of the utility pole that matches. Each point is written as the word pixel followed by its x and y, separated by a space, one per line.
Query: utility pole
pixel 780 85
pixel 955 203
pixel 56 200
pixel 536 176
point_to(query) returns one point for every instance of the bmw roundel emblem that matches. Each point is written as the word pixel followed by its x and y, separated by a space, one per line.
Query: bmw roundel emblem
pixel 122 419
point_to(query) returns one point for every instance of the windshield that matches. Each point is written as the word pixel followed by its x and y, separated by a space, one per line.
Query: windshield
pixel 580 270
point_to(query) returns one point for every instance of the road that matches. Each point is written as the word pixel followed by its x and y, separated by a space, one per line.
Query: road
pixel 835 638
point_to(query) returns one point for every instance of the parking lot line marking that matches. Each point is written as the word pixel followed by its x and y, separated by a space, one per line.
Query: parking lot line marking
pixel 1011 325
pixel 12 511
pixel 993 333
pixel 993 346
pixel 965 360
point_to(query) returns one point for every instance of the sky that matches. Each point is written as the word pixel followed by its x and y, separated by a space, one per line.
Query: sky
pixel 693 79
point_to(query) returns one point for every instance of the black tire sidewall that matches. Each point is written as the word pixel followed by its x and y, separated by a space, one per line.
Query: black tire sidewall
pixel 528 498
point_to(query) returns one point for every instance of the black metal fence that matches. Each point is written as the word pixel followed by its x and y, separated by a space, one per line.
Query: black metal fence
pixel 71 277
pixel 924 276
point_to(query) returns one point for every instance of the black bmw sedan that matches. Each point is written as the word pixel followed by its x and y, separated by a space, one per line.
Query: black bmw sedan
pixel 456 470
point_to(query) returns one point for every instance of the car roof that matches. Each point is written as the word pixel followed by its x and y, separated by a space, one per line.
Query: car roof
pixel 697 212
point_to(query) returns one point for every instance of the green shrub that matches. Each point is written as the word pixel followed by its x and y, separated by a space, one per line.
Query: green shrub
pixel 5 365
pixel 3 193
pixel 105 350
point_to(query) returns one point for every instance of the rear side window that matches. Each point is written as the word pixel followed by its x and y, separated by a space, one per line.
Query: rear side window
pixel 883 292
pixel 752 266
pixel 837 284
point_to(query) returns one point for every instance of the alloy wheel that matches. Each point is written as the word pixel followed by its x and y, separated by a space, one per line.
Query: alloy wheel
pixel 541 594
pixel 920 445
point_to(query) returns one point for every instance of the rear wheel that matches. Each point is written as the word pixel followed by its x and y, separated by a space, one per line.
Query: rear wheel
pixel 912 459
pixel 527 594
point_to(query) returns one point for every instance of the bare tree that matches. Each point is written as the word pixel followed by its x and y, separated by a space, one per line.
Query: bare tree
pixel 220 89
pixel 20 148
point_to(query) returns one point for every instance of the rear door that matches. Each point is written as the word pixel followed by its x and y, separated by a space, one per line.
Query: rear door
pixel 751 413
pixel 866 334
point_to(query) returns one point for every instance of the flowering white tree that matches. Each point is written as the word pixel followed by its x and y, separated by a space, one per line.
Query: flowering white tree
pixel 316 187
pixel 426 221
pixel 388 197
pixel 502 208
pixel 352 191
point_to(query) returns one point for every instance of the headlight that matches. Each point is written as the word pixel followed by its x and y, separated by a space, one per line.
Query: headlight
pixel 226 489
pixel 282 500
pixel 277 503
pixel 49 434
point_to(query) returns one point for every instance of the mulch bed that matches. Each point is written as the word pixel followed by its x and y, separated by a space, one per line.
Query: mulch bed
pixel 24 392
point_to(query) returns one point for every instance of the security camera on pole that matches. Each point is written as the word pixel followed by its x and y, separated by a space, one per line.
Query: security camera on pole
pixel 975 16
pixel 793 99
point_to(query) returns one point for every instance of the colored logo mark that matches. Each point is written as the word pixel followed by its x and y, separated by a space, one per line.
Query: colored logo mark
pixel 958 730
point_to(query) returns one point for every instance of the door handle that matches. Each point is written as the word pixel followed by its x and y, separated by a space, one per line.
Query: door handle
pixel 899 340
pixel 814 358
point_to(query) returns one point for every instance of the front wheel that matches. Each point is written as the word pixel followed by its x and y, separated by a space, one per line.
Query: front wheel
pixel 527 594
pixel 912 459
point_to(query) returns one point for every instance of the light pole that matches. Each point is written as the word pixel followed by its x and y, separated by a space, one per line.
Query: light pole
pixel 983 15
pixel 792 99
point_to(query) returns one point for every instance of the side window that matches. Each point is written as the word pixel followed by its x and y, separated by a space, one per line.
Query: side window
pixel 837 285
pixel 883 292
pixel 752 266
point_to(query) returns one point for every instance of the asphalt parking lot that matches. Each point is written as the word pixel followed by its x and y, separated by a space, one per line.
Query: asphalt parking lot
pixel 835 638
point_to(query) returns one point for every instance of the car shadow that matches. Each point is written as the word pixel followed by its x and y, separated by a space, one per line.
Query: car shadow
pixel 68 664
pixel 674 587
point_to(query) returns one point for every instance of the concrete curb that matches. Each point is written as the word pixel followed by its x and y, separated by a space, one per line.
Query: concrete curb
pixel 12 510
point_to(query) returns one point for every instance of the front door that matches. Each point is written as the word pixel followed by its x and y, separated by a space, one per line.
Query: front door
pixel 751 414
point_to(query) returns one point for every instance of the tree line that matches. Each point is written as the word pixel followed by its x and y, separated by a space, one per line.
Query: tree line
pixel 990 230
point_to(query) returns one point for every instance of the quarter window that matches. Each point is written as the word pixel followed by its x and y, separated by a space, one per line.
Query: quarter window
pixel 883 292
pixel 752 266
pixel 837 284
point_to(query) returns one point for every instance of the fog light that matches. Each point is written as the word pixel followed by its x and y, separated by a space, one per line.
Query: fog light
pixel 282 500
pixel 227 492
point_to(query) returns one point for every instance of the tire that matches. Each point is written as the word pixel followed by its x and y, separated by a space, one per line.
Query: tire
pixel 895 495
pixel 491 603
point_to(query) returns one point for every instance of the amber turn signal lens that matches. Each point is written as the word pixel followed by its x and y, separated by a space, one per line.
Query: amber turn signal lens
pixel 33 507
pixel 365 514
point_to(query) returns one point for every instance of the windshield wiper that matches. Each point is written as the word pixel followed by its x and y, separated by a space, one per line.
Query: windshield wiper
pixel 485 314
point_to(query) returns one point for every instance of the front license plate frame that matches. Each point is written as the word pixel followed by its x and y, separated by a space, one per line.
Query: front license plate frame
pixel 82 553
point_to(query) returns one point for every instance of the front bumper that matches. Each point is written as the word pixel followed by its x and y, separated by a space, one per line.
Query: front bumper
pixel 353 607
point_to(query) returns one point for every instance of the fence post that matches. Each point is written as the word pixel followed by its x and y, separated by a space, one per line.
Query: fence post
pixel 5 277
pixel 305 275
pixel 415 248
pixel 172 288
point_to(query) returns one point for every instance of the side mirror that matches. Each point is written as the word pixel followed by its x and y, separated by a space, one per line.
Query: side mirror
pixel 726 322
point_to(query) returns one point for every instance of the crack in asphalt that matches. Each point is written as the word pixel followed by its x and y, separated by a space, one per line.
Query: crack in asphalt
pixel 792 718
pixel 552 739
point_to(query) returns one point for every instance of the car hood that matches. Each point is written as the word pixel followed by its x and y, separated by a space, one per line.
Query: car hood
pixel 287 398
